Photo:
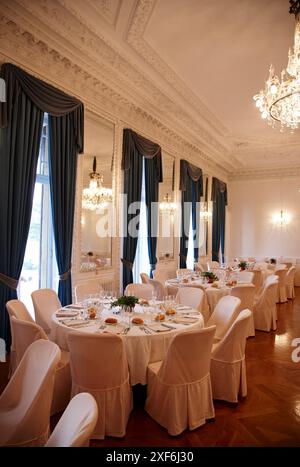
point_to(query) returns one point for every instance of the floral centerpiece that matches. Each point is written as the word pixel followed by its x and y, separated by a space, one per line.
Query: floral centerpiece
pixel 242 265
pixel 210 276
pixel 272 261
pixel 126 302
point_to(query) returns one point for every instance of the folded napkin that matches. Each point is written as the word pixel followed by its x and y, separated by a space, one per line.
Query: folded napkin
pixel 75 323
pixel 73 307
pixel 185 320
pixel 158 327
pixel 113 329
pixel 65 313
pixel 183 307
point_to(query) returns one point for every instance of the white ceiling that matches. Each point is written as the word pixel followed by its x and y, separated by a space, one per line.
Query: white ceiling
pixel 195 64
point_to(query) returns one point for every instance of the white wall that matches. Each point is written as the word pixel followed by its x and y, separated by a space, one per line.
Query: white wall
pixel 251 230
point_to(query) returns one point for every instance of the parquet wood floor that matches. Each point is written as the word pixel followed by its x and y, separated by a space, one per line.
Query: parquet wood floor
pixel 268 416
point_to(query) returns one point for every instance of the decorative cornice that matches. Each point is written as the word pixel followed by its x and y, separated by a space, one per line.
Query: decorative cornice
pixel 135 37
pixel 264 174
pixel 81 43
pixel 22 48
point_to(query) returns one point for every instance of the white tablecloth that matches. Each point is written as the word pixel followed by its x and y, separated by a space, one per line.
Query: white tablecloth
pixel 141 348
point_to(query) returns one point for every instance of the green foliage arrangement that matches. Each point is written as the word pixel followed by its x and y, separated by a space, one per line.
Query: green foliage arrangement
pixel 125 301
pixel 209 275
pixel 242 264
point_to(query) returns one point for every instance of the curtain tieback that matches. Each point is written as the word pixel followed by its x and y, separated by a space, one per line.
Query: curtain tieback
pixel 64 276
pixel 9 281
pixel 127 263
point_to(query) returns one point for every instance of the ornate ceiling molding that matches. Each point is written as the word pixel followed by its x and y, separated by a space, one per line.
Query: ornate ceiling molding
pixel 101 57
pixel 261 174
pixel 135 37
pixel 22 48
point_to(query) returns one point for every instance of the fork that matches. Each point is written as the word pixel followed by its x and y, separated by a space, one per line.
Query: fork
pixel 142 328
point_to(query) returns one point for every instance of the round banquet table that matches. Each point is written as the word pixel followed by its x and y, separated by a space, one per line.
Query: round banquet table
pixel 141 348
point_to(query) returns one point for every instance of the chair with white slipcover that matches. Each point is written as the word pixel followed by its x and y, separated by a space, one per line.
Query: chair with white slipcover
pixel 26 401
pixel 227 368
pixel 25 334
pixel 178 388
pixel 99 365
pixel 77 423
pixel 246 292
pixel 290 282
pixel 17 309
pixel 191 296
pixel 159 289
pixel 144 278
pixel 281 292
pixel 224 314
pixel 264 310
pixel 245 276
pixel 90 287
pixel 143 291
pixel 212 265
pixel 45 303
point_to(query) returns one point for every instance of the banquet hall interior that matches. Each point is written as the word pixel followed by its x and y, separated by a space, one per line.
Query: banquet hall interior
pixel 150 223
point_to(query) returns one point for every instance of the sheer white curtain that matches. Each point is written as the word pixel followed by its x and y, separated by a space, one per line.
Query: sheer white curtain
pixel 190 253
pixel 141 261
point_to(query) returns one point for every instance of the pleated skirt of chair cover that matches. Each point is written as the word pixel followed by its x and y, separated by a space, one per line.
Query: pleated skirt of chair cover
pixel 265 318
pixel 114 407
pixel 178 407
pixel 281 295
pixel 62 385
pixel 228 380
pixel 290 291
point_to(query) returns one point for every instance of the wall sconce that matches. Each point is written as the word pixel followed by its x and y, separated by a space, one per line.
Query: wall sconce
pixel 281 219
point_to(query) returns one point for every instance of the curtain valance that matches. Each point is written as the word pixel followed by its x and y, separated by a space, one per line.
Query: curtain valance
pixel 218 187
pixel 44 96
pixel 135 143
pixel 191 171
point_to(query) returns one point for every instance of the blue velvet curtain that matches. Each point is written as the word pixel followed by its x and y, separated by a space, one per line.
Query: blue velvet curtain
pixel 219 199
pixel 135 148
pixel 152 175
pixel 191 186
pixel 19 150
pixel 63 167
pixel 21 120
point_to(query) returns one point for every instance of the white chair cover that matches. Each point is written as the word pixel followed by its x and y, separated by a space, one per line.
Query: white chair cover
pixel 258 279
pixel 246 292
pixel 92 286
pixel 290 282
pixel 25 402
pixel 45 303
pixel 281 293
pixel 25 334
pixel 179 390
pixel 77 423
pixel 144 277
pixel 99 366
pixel 159 288
pixel 228 370
pixel 224 314
pixel 212 265
pixel 264 311
pixel 144 291
pixel 193 297
pixel 245 276
pixel 183 271
pixel 17 309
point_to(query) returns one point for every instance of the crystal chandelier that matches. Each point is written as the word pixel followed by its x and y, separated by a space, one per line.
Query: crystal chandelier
pixel 167 204
pixel 96 196
pixel 280 100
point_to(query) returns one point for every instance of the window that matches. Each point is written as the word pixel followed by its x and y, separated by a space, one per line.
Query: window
pixel 39 266
pixel 141 261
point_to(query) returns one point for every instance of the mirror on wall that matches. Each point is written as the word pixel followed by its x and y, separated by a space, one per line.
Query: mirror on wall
pixel 165 241
pixel 96 207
